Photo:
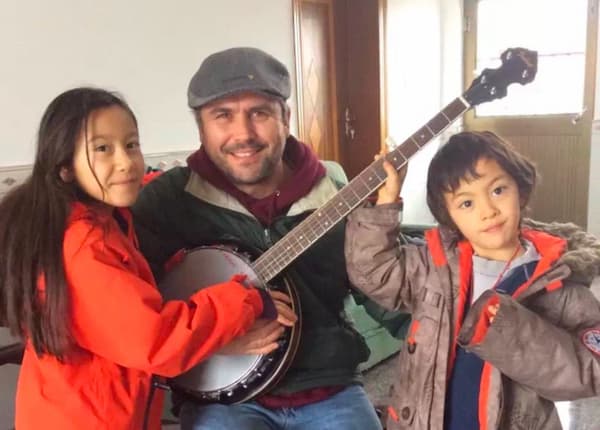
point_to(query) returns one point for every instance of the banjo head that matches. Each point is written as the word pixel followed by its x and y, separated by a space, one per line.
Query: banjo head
pixel 227 378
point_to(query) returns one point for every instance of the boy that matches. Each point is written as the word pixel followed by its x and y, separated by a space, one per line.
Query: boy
pixel 503 320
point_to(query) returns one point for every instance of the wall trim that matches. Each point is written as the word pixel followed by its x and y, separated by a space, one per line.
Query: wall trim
pixel 11 176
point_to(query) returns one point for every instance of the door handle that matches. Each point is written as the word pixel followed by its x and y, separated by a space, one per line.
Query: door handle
pixel 349 130
pixel 577 117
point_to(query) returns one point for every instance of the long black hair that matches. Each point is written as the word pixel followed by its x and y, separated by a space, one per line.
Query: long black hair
pixel 33 219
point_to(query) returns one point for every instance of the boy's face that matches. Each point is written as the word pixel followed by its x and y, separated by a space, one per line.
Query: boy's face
pixel 487 211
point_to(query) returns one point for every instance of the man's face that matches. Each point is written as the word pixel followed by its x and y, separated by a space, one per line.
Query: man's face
pixel 244 136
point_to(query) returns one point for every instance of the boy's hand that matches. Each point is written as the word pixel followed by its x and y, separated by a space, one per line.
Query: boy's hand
pixel 389 192
pixel 492 311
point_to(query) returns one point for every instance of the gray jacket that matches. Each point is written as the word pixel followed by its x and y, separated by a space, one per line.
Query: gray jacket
pixel 533 350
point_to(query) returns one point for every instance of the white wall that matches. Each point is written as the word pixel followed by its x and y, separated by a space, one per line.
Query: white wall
pixel 8 382
pixel 424 73
pixel 594 186
pixel 146 49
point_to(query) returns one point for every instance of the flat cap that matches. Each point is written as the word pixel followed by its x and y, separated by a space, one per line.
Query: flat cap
pixel 235 70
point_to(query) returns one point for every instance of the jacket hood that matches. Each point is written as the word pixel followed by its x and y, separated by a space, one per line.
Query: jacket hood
pixel 582 255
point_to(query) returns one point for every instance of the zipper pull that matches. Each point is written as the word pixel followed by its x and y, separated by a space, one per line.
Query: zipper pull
pixel 267 236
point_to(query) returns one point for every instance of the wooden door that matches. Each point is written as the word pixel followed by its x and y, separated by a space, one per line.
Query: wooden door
pixel 339 79
pixel 557 142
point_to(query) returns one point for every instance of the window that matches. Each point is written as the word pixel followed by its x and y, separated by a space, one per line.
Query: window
pixel 554 28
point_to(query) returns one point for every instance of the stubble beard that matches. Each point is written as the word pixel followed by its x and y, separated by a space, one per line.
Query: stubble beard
pixel 237 177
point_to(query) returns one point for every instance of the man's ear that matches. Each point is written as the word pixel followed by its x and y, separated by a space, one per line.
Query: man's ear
pixel 200 133
pixel 198 119
pixel 286 118
pixel 66 174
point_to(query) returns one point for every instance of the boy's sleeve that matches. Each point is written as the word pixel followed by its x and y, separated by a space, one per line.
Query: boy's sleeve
pixel 552 353
pixel 377 265
pixel 119 316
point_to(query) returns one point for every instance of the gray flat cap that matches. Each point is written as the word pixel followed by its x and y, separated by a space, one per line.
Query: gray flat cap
pixel 235 70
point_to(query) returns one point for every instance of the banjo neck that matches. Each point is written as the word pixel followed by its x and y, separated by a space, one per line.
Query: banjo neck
pixel 301 237
pixel 519 65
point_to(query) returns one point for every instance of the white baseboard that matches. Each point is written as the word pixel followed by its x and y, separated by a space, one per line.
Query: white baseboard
pixel 12 176
pixel 166 160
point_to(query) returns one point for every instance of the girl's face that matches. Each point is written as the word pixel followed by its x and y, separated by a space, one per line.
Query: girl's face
pixel 108 164
pixel 487 211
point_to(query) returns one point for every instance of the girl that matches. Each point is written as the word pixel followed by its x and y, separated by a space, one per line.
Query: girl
pixel 75 288
pixel 503 320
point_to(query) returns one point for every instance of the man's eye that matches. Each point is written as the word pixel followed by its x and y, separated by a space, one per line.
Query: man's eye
pixel 101 148
pixel 133 145
pixel 260 115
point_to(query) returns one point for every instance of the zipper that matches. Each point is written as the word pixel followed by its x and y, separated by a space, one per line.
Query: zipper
pixel 267 233
pixel 268 240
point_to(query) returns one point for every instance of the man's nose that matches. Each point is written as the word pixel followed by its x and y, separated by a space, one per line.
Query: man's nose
pixel 242 128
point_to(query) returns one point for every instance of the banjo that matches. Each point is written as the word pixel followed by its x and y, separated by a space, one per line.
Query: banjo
pixel 237 378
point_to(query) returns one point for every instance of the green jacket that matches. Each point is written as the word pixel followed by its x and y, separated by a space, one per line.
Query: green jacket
pixel 181 210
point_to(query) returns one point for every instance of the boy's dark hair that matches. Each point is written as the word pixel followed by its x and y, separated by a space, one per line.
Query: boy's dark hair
pixel 456 160
pixel 33 219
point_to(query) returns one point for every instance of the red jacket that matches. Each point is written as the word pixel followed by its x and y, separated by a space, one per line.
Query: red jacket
pixel 124 332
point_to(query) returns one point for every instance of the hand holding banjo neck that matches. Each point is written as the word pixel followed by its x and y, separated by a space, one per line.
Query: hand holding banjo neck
pixel 519 65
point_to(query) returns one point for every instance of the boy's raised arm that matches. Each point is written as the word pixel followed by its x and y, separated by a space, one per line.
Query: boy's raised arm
pixel 388 273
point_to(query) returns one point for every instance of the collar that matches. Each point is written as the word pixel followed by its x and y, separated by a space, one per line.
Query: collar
pixel 83 211
pixel 548 246
pixel 307 171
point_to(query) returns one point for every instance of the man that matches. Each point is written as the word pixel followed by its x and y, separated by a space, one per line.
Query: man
pixel 251 181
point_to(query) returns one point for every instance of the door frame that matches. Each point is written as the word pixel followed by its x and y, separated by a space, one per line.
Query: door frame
pixel 334 50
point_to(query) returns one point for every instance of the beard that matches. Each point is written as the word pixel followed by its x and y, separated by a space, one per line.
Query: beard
pixel 253 174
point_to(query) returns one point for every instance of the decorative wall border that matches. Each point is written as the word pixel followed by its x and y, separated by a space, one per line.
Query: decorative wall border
pixel 11 176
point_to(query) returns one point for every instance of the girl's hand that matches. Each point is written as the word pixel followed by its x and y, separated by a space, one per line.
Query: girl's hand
pixel 263 336
pixel 389 192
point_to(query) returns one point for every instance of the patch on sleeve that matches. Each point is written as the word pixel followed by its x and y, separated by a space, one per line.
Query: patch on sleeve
pixel 591 340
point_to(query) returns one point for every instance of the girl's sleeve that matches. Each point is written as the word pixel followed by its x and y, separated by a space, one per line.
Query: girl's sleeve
pixel 390 274
pixel 548 346
pixel 121 317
